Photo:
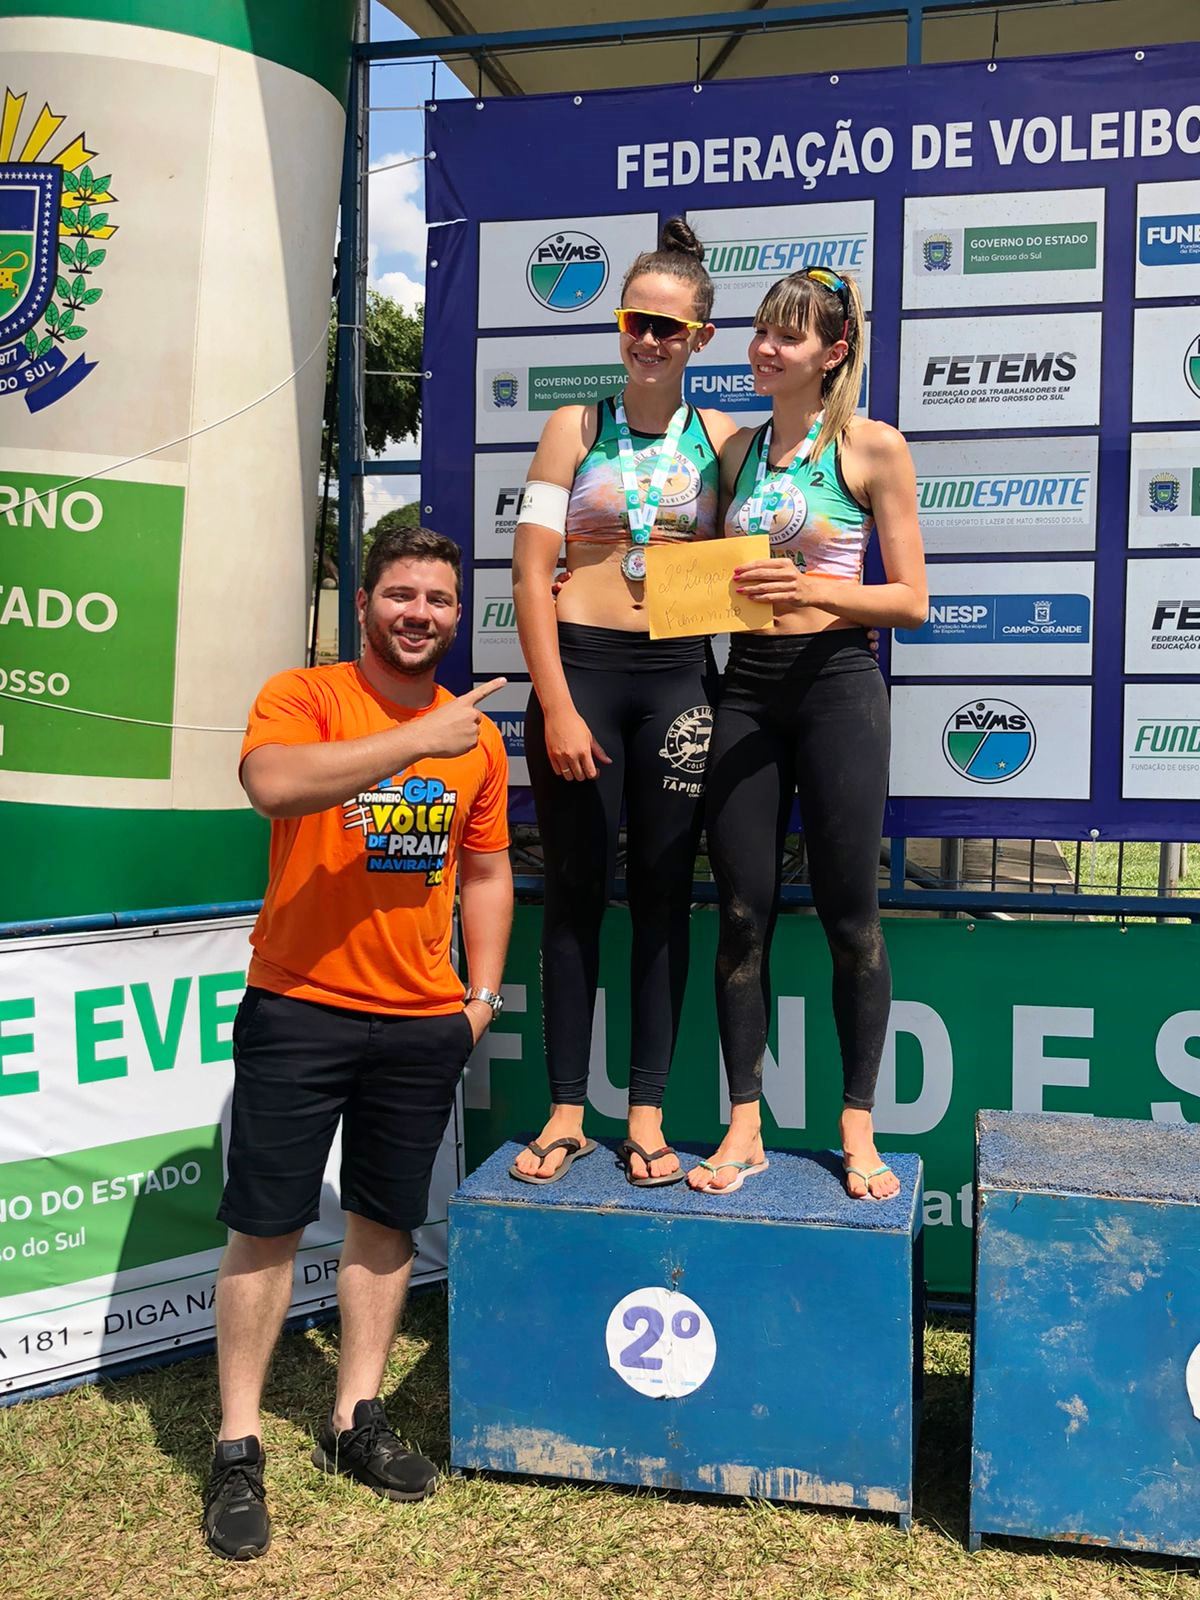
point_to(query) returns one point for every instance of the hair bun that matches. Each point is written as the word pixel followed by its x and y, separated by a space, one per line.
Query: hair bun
pixel 678 238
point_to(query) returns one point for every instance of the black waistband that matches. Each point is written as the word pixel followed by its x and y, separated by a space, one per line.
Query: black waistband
pixel 777 648
pixel 615 650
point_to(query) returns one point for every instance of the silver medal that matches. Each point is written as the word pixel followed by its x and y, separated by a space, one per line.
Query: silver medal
pixel 633 564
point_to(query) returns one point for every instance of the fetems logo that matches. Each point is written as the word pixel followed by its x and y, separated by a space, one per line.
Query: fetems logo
pixel 996 371
pixel 989 741
pixel 566 271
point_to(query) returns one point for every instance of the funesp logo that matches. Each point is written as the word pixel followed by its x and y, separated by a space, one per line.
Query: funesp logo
pixel 512 730
pixel 566 271
pixel 1172 241
pixel 989 741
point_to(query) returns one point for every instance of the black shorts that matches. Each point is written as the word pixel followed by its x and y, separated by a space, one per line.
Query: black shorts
pixel 298 1067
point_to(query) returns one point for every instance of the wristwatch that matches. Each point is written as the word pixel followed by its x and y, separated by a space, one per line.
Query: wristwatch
pixel 488 996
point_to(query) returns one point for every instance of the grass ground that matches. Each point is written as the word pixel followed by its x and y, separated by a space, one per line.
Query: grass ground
pixel 101 1498
pixel 1102 865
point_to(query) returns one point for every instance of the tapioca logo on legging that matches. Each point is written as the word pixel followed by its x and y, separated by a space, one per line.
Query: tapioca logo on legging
pixel 686 749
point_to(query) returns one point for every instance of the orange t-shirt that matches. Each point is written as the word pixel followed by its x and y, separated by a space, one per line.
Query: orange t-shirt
pixel 360 898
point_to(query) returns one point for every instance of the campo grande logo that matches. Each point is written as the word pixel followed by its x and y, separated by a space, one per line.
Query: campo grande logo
pixel 1163 491
pixel 567 271
pixel 54 228
pixel 1191 366
pixel 989 741
pixel 938 252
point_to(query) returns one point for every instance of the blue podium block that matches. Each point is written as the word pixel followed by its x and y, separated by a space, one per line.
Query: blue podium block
pixel 766 1344
pixel 1086 1369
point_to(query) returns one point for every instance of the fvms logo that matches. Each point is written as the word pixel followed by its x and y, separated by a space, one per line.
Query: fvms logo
pixel 567 271
pixel 989 741
pixel 1191 366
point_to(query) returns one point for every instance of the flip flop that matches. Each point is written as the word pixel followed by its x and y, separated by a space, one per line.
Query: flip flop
pixel 866 1178
pixel 574 1148
pixel 627 1149
pixel 746 1169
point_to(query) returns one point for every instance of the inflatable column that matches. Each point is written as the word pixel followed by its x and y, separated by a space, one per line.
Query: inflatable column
pixel 168 197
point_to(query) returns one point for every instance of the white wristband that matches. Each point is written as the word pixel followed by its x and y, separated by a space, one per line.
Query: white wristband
pixel 545 504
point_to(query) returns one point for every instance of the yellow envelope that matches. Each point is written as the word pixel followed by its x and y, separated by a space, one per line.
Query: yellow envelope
pixel 689 587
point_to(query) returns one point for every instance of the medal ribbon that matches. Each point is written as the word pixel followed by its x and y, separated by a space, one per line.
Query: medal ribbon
pixel 760 508
pixel 642 517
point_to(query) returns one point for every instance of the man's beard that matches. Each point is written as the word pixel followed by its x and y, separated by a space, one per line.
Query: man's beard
pixel 387 648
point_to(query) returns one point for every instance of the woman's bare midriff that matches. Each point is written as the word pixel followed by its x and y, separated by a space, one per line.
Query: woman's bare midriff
pixel 598 594
pixel 805 619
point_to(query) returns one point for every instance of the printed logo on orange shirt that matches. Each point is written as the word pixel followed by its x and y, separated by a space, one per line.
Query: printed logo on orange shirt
pixel 406 828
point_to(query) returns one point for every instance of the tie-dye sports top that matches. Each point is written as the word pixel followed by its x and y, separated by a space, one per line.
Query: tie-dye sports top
pixel 688 509
pixel 818 522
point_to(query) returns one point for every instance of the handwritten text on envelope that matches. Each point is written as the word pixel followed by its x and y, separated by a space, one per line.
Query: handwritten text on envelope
pixel 689 587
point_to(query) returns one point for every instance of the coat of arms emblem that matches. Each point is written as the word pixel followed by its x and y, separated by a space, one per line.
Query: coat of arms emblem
pixel 54 231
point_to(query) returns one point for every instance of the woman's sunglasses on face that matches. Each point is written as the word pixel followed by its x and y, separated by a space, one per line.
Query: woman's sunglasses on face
pixel 638 323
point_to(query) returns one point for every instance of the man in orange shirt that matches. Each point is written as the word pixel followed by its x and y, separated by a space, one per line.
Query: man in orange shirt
pixel 382 790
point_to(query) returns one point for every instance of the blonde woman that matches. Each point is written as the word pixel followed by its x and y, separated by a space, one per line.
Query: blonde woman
pixel 803 709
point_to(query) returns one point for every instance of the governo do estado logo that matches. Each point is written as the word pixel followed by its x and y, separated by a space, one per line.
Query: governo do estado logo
pixel 567 270
pixel 55 227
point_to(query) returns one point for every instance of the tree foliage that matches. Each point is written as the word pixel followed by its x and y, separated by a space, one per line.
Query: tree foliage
pixel 391 410
pixel 394 339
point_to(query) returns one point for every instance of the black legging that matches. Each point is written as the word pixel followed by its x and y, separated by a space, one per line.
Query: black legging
pixel 806 714
pixel 647 703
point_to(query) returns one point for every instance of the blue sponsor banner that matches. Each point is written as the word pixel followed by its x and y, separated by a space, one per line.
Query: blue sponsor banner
pixel 512 730
pixel 759 153
pixel 722 388
pixel 1170 241
pixel 1003 619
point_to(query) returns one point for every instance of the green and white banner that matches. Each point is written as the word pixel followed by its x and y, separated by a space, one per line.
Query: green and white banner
pixel 168 192
pixel 115 1083
pixel 1092 1019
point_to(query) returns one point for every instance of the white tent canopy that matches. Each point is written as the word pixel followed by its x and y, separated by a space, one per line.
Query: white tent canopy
pixel 1025 27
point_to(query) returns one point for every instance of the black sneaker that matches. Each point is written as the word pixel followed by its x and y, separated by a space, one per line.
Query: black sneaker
pixel 371 1452
pixel 237 1524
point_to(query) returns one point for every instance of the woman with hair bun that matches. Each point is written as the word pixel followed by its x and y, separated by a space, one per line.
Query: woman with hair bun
pixel 615 715
pixel 803 708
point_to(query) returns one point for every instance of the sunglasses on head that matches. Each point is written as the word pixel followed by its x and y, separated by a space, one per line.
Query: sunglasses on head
pixel 836 285
pixel 638 323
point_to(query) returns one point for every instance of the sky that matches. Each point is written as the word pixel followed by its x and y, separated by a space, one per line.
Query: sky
pixel 396 208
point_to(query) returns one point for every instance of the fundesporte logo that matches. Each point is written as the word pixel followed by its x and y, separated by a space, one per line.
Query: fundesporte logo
pixel 567 270
pixel 55 222
pixel 989 741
